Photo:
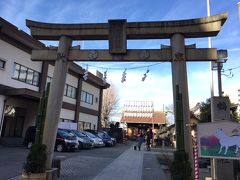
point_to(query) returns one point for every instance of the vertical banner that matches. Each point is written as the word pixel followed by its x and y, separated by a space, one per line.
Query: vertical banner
pixel 219 140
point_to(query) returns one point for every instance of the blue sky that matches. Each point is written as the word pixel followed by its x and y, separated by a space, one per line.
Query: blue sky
pixel 157 86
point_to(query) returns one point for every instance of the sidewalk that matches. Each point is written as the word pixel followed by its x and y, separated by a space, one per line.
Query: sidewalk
pixel 133 165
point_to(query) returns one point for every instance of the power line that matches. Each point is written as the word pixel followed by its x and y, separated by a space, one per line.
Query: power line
pixel 230 69
pixel 124 74
pixel 119 68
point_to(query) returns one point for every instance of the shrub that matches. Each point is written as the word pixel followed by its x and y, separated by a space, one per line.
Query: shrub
pixel 36 159
pixel 180 167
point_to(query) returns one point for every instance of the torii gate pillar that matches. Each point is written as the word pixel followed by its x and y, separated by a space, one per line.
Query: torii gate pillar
pixel 55 97
pixel 179 78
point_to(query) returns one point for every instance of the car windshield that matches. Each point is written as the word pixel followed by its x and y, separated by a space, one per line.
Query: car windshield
pixel 102 134
pixel 64 134
pixel 89 134
pixel 72 133
pixel 80 134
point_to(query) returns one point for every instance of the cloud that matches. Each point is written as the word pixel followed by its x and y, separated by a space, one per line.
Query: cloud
pixel 199 86
pixel 154 88
pixel 17 11
pixel 234 50
pixel 232 91
pixel 230 87
pixel 199 76
pixel 180 7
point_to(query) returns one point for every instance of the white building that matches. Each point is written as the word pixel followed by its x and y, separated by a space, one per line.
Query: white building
pixel 22 83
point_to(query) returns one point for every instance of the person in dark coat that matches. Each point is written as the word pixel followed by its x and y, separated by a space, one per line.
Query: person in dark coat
pixel 139 141
pixel 149 136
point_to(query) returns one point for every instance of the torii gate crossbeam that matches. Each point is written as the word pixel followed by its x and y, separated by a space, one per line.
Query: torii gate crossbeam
pixel 117 32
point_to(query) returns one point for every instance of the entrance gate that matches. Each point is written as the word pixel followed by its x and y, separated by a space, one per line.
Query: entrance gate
pixel 117 32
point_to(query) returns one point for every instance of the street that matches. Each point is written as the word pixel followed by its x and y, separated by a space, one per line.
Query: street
pixel 90 163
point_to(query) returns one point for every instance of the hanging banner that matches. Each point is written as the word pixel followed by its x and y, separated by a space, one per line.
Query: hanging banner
pixel 67 125
pixel 219 140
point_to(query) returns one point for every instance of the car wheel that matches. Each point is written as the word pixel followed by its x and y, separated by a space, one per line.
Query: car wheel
pixel 59 148
pixel 29 145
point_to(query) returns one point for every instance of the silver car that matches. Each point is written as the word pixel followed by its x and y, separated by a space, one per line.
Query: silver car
pixel 96 140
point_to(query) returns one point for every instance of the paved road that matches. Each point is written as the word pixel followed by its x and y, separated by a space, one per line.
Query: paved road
pixel 92 160
pixel 121 162
pixel 11 161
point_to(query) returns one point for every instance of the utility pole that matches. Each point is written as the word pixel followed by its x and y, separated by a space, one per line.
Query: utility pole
pixel 238 4
pixel 213 161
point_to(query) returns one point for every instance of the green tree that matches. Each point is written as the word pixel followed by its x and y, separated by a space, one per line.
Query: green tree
pixel 205 111
pixel 234 113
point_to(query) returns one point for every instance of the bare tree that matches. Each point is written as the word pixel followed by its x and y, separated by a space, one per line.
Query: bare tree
pixel 109 104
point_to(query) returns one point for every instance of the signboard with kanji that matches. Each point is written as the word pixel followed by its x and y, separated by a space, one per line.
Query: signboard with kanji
pixel 221 108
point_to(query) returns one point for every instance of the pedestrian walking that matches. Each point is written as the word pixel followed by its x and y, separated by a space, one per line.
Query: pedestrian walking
pixel 139 141
pixel 149 136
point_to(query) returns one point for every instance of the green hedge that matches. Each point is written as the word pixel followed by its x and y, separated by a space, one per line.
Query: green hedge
pixel 180 167
pixel 36 159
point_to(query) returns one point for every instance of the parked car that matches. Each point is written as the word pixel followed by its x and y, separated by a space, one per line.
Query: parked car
pixel 95 139
pixel 64 140
pixel 84 141
pixel 112 138
pixel 105 138
pixel 29 137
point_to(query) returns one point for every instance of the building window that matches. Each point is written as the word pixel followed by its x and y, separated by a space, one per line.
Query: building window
pixel 29 78
pixel 87 125
pixel 2 64
pixel 87 97
pixel 83 96
pixel 66 120
pixel 70 91
pixel 84 125
pixel 16 71
pixel 48 80
pixel 25 74
pixel 81 125
pixel 36 77
pixel 22 74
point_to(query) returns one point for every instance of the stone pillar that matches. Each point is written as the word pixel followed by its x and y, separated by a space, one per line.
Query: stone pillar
pixel 78 102
pixel 55 97
pixel 179 78
pixel 99 124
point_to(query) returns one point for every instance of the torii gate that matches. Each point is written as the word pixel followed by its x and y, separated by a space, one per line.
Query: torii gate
pixel 117 32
